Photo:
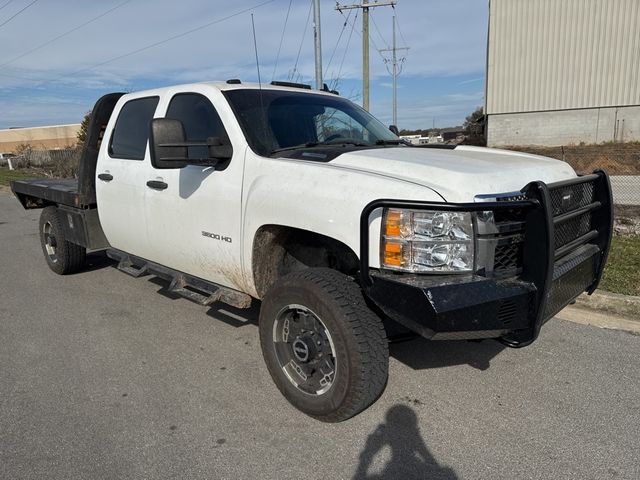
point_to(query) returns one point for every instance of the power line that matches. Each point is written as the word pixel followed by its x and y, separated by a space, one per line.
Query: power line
pixel 158 43
pixel 366 38
pixel 395 72
pixel 346 50
pixel 7 3
pixel 375 46
pixel 304 33
pixel 50 41
pixel 378 30
pixel 401 35
pixel 399 29
pixel 281 39
pixel 344 26
pixel 16 14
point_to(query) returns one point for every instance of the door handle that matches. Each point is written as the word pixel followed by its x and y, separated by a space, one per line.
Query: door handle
pixel 107 177
pixel 157 185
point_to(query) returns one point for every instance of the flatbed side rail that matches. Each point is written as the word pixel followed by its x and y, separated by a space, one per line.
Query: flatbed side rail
pixel 40 193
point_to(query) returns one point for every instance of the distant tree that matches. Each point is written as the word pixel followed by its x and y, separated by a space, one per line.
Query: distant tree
pixel 404 131
pixel 24 152
pixel 474 128
pixel 84 126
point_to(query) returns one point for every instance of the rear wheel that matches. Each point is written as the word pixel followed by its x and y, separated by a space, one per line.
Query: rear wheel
pixel 63 257
pixel 325 349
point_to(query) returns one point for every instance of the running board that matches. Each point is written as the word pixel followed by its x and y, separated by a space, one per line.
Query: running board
pixel 192 288
pixel 126 265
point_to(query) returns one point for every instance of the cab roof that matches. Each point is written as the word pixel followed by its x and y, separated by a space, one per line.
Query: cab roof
pixel 235 84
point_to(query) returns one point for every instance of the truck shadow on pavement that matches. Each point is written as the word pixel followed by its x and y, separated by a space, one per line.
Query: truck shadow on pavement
pixel 236 317
pixel 420 354
pixel 410 457
pixel 417 353
pixel 97 261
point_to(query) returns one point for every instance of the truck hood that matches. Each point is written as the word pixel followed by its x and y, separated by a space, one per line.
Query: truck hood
pixel 460 174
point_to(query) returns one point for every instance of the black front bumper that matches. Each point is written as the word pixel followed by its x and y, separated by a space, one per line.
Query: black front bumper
pixel 565 239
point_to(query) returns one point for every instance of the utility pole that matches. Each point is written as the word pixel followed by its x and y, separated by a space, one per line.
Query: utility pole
pixel 317 42
pixel 365 6
pixel 395 72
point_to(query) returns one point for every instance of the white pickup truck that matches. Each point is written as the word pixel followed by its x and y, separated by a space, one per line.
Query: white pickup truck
pixel 303 200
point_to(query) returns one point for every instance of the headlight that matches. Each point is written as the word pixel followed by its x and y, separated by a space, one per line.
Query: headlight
pixel 427 241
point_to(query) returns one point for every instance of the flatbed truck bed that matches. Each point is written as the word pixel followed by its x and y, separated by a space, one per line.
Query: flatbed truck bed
pixel 36 193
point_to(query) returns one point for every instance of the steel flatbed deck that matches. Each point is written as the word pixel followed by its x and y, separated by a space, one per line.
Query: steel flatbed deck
pixel 38 192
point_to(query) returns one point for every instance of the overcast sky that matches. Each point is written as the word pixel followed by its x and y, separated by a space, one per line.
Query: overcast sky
pixel 50 74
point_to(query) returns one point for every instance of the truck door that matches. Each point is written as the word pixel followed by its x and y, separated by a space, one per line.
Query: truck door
pixel 194 218
pixel 121 177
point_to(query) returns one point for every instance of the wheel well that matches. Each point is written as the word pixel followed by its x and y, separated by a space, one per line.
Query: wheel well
pixel 278 250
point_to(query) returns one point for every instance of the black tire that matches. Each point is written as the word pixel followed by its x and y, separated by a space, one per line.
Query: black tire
pixel 63 257
pixel 326 306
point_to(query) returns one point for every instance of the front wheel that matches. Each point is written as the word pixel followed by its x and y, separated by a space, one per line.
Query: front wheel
pixel 62 256
pixel 325 349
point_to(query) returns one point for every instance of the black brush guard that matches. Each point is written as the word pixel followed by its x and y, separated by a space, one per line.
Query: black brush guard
pixel 567 234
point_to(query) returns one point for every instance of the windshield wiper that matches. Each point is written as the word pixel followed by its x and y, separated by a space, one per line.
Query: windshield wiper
pixel 294 147
pixel 399 141
pixel 344 141
pixel 335 141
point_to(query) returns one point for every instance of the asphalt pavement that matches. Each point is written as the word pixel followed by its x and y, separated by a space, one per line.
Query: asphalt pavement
pixel 105 376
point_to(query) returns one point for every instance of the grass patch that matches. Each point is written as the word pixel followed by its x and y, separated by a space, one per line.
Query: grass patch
pixel 7 175
pixel 622 273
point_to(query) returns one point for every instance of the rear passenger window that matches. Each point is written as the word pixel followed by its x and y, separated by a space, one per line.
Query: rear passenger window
pixel 131 133
pixel 200 120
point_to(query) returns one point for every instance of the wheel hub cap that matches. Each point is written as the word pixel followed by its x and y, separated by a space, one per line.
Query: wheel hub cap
pixel 304 349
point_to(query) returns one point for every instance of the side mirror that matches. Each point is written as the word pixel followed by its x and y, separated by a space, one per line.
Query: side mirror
pixel 394 129
pixel 167 144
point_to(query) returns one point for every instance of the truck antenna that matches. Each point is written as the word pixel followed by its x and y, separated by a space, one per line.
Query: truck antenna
pixel 255 48
pixel 264 116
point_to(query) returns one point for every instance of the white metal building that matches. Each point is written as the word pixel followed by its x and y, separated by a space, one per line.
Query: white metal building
pixel 562 72
pixel 39 138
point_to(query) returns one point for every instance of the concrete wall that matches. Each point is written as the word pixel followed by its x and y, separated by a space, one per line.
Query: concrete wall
pixel 565 127
pixel 57 136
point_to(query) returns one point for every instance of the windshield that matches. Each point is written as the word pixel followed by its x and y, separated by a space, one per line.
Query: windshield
pixel 276 120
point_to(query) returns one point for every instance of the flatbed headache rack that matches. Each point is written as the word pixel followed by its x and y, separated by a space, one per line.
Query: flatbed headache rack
pixel 81 192
pixel 75 198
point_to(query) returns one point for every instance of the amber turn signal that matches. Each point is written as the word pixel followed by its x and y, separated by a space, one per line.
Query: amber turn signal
pixel 393 253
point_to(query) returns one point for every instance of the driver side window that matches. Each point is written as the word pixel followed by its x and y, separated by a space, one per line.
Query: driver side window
pixel 200 119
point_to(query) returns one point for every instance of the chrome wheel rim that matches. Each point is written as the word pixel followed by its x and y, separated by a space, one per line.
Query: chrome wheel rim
pixel 304 349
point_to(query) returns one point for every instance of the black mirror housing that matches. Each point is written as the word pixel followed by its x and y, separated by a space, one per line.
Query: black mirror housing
pixel 169 148
pixel 166 141
pixel 394 129
pixel 218 149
